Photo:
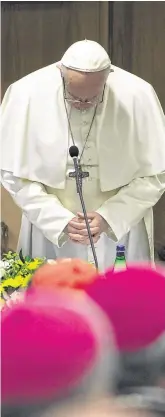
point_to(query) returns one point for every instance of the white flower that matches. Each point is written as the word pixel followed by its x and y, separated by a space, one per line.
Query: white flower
pixel 6 264
pixel 2 272
pixel 15 297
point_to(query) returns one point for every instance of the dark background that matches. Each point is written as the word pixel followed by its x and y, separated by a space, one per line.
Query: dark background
pixel 36 34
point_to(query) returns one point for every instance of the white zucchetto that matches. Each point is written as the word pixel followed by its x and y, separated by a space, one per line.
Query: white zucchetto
pixel 86 56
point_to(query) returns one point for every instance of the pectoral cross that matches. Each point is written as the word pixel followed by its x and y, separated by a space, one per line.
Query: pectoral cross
pixel 82 174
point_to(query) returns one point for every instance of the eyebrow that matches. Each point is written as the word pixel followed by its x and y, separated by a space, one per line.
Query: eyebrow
pixel 79 98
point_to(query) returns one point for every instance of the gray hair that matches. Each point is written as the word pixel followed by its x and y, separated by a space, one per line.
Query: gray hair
pixel 144 367
pixel 146 399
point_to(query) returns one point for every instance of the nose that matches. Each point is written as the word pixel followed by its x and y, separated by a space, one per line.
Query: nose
pixel 82 106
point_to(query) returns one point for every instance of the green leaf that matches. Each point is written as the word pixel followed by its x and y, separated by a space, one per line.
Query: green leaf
pixel 28 259
pixel 21 256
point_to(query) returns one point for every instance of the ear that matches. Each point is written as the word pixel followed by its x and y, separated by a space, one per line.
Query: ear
pixel 58 65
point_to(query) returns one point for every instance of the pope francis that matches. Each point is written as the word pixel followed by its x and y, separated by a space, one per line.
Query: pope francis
pixel 116 121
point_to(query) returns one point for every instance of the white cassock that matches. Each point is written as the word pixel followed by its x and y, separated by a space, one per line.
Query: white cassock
pixel 124 155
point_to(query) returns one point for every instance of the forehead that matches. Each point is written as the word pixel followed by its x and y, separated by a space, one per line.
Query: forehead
pixel 78 79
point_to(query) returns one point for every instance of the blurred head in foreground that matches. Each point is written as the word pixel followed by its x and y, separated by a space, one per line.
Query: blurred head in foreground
pixel 63 273
pixel 55 347
pixel 134 300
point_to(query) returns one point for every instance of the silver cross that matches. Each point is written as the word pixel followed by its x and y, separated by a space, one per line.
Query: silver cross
pixel 82 174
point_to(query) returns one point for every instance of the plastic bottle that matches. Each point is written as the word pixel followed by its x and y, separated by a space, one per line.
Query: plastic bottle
pixel 120 261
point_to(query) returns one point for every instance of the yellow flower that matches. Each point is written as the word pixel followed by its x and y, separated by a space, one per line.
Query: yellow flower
pixel 13 282
pixel 26 281
pixel 34 264
pixel 1 289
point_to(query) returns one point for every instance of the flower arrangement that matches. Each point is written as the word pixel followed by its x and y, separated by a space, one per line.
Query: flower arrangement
pixel 16 272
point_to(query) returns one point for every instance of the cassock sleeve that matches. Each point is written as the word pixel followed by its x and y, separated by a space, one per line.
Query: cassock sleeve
pixel 124 210
pixel 43 210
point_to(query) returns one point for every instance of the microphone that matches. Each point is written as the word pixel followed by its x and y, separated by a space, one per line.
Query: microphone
pixel 74 152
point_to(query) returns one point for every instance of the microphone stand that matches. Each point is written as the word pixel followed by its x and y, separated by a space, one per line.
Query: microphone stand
pixel 79 191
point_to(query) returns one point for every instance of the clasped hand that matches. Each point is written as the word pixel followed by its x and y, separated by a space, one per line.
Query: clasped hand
pixel 77 230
